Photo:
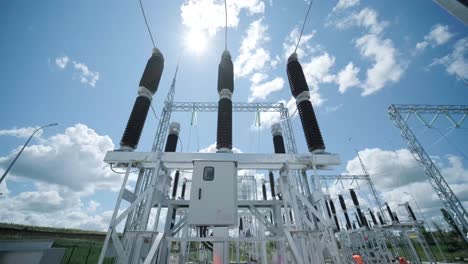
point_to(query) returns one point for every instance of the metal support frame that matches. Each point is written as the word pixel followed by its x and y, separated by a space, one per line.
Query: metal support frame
pixel 440 185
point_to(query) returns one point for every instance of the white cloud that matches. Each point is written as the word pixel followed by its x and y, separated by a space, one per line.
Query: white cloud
pixel 317 70
pixel 86 76
pixel 367 18
pixel 438 35
pixel 348 77
pixel 208 15
pixel 304 49
pixel 331 109
pixel 62 62
pixel 386 68
pixel 262 90
pixel 252 56
pixel 456 63
pixel 396 173
pixel 63 169
pixel 73 159
pixel 22 132
pixel 212 149
pixel 345 4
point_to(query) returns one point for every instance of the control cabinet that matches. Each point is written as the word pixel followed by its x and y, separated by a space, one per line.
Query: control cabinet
pixel 213 195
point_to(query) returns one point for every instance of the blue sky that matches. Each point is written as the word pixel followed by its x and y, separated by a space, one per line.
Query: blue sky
pixel 79 63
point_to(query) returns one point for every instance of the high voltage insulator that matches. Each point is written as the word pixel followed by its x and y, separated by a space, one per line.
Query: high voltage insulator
pixel 184 185
pixel 278 141
pixel 328 209
pixel 396 217
pixel 363 221
pixel 343 207
pixel 225 90
pixel 373 217
pixel 148 86
pixel 392 217
pixel 332 207
pixel 380 218
pixel 300 91
pixel 410 210
pixel 272 184
pixel 176 183
pixel 172 137
pixel 264 191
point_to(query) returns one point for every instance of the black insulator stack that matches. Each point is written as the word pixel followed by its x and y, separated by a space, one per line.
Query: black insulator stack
pixel 153 72
pixel 171 143
pixel 358 220
pixel 176 184
pixel 264 191
pixel 291 216
pixel 182 194
pixel 332 207
pixel 363 221
pixel 241 224
pixel 224 132
pixel 373 217
pixel 328 210
pixel 226 73
pixel 354 197
pixel 272 184
pixel 309 124
pixel 380 218
pixel 148 86
pixel 173 217
pixel 392 217
pixel 354 226
pixel 396 217
pixel 278 144
pixel 136 122
pixel 343 207
pixel 410 210
pixel 172 137
pixel 271 217
pixel 225 90
pixel 298 84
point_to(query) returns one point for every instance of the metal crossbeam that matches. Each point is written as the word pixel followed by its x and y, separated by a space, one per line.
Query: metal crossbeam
pixel 440 185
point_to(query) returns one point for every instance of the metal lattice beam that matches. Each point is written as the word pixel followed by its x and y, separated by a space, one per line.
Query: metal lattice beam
pixel 440 185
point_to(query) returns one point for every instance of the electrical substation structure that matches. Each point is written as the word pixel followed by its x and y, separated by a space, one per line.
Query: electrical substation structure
pixel 223 219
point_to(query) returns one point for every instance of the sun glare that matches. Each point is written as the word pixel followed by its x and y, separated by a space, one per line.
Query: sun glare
pixel 195 41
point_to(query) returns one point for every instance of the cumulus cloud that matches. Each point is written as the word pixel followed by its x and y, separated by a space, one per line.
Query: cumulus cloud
pixel 367 18
pixel 439 35
pixel 317 70
pixel 305 47
pixel 212 149
pixel 456 62
pixel 86 76
pixel 62 170
pixel 62 62
pixel 22 132
pixel 345 4
pixel 73 159
pixel 386 68
pixel 252 56
pixel 396 175
pixel 262 90
pixel 348 77
pixel 208 15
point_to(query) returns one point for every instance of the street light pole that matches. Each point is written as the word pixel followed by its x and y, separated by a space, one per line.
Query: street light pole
pixel 21 151
pixel 425 221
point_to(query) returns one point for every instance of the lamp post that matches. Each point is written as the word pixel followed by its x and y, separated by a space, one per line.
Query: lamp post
pixel 425 221
pixel 21 151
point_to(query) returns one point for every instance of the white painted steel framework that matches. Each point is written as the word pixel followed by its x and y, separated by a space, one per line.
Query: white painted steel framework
pixel 400 115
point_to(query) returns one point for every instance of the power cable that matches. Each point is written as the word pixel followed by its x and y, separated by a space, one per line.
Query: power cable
pixel 303 25
pixel 146 22
pixel 225 27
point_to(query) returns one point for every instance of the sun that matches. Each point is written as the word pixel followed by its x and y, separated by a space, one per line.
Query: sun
pixel 195 41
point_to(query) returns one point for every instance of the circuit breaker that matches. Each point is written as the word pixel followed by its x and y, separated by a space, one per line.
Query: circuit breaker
pixel 213 195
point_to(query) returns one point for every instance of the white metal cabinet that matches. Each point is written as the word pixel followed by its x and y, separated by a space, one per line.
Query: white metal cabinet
pixel 213 197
